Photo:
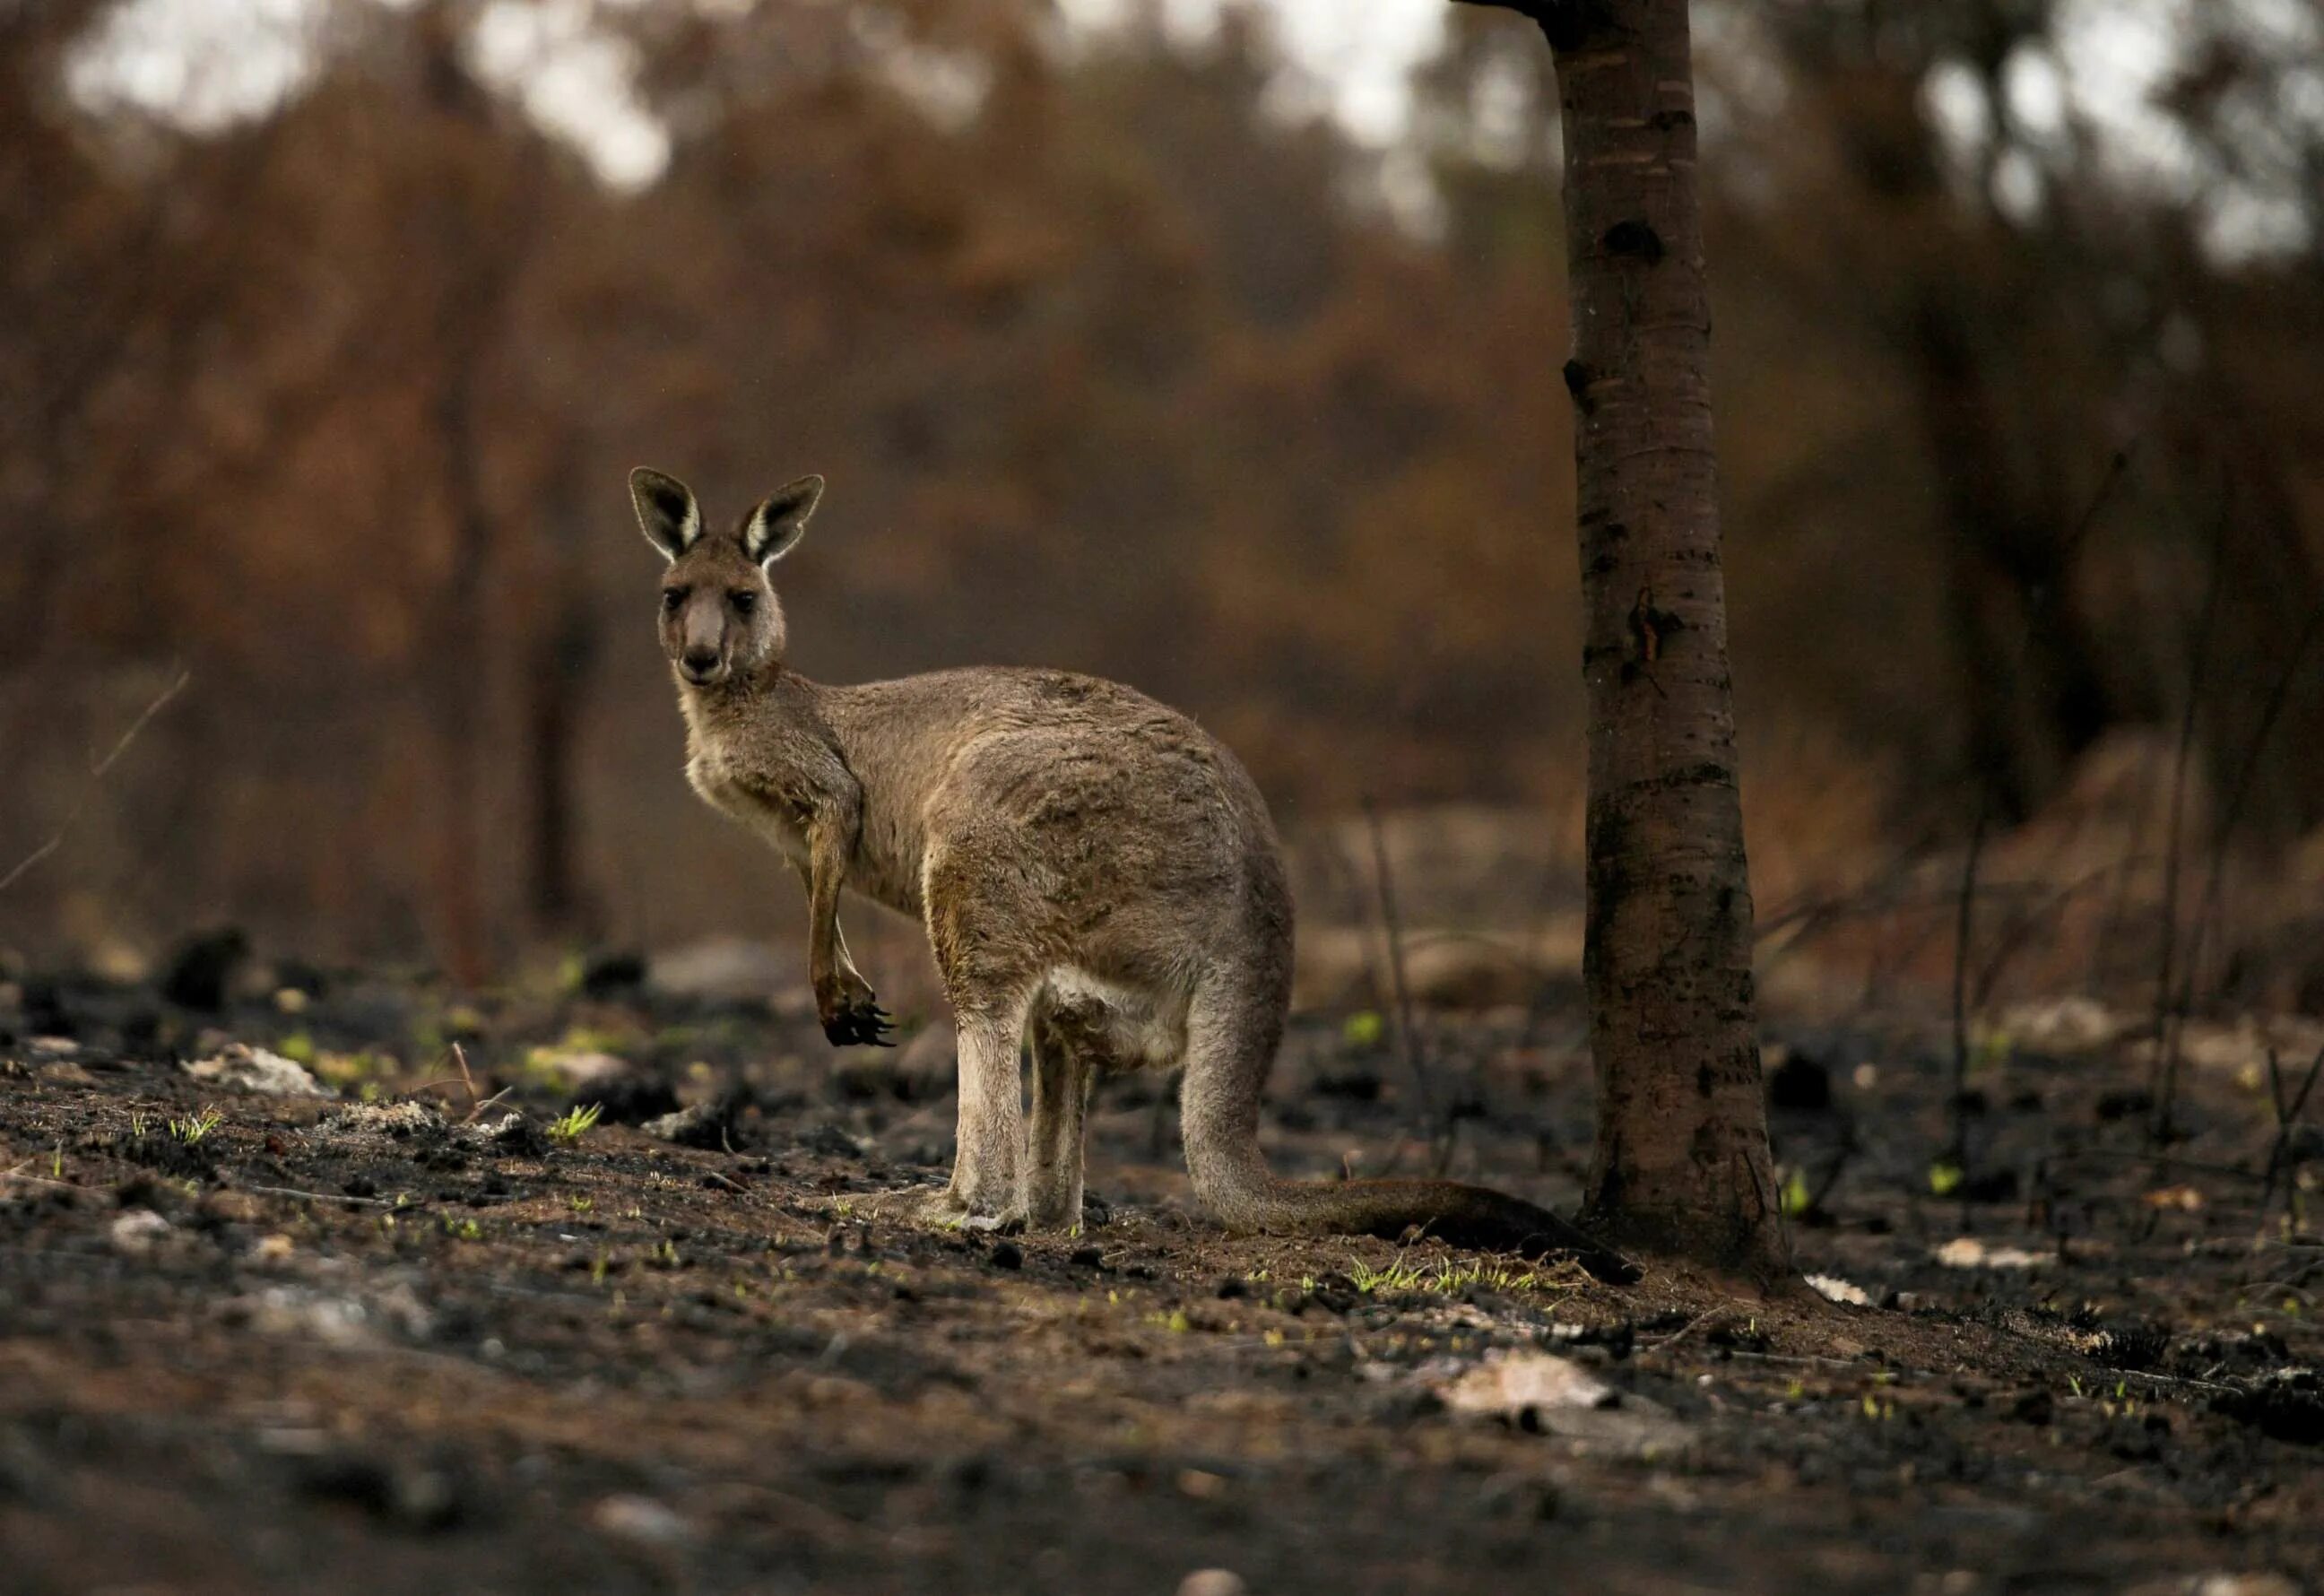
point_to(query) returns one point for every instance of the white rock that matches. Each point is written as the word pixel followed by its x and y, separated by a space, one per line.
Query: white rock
pixel 138 1231
pixel 2244 1584
pixel 2222 1583
pixel 1213 1581
pixel 1504 1386
pixel 1832 1288
pixel 727 969
pixel 639 1518
pixel 383 1118
pixel 242 1068
pixel 2063 1025
pixel 1967 1252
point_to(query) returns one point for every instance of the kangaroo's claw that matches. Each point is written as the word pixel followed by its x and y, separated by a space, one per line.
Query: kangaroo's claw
pixel 865 1025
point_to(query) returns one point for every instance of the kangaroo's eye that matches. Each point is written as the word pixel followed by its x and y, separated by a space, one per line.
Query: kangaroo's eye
pixel 672 598
pixel 744 602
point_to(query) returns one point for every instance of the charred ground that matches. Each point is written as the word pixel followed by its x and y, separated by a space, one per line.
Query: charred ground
pixel 400 1341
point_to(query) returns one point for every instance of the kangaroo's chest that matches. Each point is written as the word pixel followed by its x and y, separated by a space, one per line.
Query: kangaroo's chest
pixel 742 791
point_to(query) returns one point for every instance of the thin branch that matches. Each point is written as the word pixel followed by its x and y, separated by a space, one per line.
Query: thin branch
pixel 96 773
pixel 2287 1115
pixel 286 1190
pixel 1408 1036
pixel 2207 914
pixel 2038 601
pixel 2168 1017
pixel 1963 922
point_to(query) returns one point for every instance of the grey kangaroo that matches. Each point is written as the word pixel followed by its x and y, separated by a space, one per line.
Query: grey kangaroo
pixel 1095 872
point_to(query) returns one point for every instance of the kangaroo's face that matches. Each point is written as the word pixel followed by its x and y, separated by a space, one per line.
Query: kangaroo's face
pixel 719 617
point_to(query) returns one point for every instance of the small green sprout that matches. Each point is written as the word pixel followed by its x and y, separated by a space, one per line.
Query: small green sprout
pixel 1446 1279
pixel 1797 1199
pixel 576 1123
pixel 1945 1178
pixel 192 1130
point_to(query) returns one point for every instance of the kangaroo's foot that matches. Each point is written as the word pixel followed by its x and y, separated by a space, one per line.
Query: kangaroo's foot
pixel 944 1208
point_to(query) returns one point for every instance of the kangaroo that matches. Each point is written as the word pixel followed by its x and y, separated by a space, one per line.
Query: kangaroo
pixel 1095 873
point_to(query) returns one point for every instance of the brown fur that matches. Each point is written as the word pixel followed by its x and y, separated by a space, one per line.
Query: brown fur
pixel 1095 872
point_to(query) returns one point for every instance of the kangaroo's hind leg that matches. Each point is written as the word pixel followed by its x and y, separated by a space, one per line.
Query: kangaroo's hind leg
pixel 974 920
pixel 1068 1052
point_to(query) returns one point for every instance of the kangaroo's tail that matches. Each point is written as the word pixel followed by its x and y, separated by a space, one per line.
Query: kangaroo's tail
pixel 1234 1024
pixel 1460 1216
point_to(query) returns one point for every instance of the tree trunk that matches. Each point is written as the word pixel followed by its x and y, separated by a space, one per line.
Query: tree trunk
pixel 458 673
pixel 558 677
pixel 1681 1164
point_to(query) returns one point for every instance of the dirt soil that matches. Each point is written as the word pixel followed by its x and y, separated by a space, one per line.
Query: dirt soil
pixel 396 1341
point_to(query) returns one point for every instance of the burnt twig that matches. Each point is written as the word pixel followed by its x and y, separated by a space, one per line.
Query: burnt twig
pixel 2287 1115
pixel 1963 922
pixel 2168 1015
pixel 1408 1036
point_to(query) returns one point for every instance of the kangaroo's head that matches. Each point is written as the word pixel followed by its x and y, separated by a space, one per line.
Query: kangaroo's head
pixel 719 618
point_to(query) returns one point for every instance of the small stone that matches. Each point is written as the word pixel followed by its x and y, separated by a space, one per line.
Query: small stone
pixel 138 1231
pixel 512 1134
pixel 202 972
pixel 1213 1581
pixel 397 1120
pixel 240 1068
pixel 612 974
pixel 1512 1386
pixel 1967 1252
pixel 723 970
pixel 640 1519
pixel 704 1125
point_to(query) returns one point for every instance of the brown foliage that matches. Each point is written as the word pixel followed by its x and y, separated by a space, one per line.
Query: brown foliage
pixel 1119 371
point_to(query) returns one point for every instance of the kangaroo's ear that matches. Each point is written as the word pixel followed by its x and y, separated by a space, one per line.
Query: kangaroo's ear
pixel 667 512
pixel 774 527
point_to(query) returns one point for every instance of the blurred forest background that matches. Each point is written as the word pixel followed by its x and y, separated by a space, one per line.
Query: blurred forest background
pixel 1122 354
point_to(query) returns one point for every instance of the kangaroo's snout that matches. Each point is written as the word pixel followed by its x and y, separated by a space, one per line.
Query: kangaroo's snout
pixel 699 663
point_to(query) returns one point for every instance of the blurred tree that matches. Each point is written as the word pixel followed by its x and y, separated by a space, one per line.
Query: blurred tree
pixel 1112 364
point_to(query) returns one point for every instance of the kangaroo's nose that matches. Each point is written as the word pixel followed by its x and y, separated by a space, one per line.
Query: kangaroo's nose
pixel 701 661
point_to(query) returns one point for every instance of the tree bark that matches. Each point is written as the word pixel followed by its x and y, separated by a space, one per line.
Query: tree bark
pixel 1682 1166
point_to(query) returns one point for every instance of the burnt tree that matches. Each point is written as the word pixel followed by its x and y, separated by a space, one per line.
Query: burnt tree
pixel 1680 1165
